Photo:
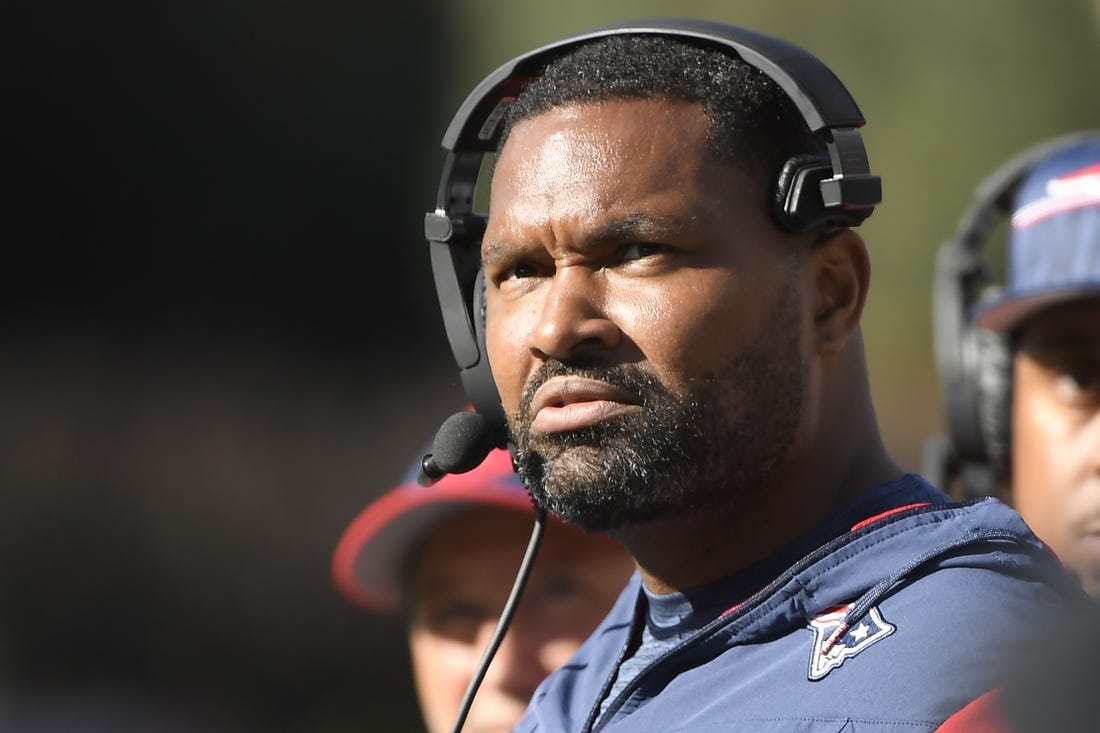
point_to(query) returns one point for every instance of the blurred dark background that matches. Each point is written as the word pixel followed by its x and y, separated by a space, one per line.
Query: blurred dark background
pixel 212 282
pixel 218 338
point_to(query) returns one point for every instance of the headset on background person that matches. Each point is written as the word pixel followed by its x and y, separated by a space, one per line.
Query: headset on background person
pixel 975 364
pixel 810 192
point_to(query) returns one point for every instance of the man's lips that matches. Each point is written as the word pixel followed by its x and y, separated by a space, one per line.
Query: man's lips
pixel 562 404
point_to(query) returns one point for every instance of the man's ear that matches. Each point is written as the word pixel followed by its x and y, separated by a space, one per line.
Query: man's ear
pixel 842 275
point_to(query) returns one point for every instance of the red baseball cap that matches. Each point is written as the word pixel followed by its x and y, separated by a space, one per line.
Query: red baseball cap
pixel 372 552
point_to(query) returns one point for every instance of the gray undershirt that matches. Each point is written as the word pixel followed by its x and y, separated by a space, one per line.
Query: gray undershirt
pixel 669 620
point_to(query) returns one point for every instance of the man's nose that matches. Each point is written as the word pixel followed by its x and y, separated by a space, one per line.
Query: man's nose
pixel 573 318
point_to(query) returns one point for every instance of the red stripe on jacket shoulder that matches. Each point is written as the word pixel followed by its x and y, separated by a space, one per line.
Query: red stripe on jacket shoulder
pixel 980 716
pixel 887 513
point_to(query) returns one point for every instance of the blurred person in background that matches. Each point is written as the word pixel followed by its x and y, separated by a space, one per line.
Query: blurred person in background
pixel 1032 376
pixel 446 556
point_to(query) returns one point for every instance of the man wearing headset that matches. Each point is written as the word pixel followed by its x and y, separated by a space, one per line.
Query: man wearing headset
pixel 445 556
pixel 673 291
pixel 1043 382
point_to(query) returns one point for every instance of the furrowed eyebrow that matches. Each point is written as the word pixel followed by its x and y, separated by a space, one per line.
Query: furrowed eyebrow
pixel 493 252
pixel 637 226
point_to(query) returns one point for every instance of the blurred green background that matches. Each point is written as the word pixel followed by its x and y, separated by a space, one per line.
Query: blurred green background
pixel 218 338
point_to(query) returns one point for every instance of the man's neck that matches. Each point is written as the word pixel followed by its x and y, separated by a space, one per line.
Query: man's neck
pixel 689 551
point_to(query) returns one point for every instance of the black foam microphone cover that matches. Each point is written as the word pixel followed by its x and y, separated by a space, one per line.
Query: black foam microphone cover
pixel 461 444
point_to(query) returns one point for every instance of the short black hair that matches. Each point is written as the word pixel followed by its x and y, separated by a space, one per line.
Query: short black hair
pixel 753 123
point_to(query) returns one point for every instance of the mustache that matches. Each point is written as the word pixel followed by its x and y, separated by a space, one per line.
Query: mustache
pixel 630 378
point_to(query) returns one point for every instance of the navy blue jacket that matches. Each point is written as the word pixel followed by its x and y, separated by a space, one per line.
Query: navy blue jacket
pixel 894 625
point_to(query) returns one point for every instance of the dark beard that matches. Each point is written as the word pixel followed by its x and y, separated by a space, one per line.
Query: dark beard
pixel 713 448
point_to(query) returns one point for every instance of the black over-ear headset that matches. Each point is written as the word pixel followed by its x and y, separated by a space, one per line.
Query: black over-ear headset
pixel 809 193
pixel 975 364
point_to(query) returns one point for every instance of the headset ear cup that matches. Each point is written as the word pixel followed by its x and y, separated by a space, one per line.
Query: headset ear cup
pixel 994 385
pixel 798 204
pixel 980 413
pixel 973 370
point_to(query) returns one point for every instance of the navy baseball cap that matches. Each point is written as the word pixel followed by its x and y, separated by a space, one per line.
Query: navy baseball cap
pixel 369 559
pixel 1054 242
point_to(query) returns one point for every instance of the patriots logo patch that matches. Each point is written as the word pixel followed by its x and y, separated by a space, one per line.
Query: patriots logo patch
pixel 836 641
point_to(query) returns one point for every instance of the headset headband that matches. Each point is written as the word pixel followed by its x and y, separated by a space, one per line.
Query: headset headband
pixel 845 192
